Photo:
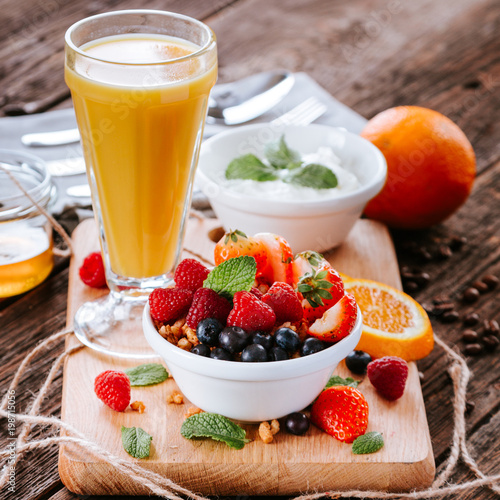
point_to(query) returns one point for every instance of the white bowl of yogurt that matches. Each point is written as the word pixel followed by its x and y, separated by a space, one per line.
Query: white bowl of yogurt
pixel 307 217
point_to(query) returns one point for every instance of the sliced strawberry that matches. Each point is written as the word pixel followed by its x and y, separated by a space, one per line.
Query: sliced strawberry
pixel 284 301
pixel 306 262
pixel 337 322
pixel 279 258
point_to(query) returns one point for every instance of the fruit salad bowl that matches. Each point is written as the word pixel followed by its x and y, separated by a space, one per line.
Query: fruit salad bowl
pixel 251 392
pixel 289 188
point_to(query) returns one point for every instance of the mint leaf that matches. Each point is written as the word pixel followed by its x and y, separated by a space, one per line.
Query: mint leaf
pixel 214 426
pixel 314 176
pixel 368 443
pixel 136 441
pixel 233 275
pixel 250 167
pixel 337 380
pixel 147 374
pixel 281 156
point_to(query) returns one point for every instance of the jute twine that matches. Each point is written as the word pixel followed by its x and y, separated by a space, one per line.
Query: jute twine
pixel 164 487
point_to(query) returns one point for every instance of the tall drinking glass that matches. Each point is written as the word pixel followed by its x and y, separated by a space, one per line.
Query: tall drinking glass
pixel 140 82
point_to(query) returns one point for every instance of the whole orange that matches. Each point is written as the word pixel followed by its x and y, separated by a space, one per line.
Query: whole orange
pixel 430 167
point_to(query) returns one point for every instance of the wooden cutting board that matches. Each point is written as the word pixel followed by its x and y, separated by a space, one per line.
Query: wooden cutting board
pixel 289 465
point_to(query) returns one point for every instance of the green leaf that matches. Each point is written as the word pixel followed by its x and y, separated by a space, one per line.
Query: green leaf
pixel 250 167
pixel 337 380
pixel 313 176
pixel 136 441
pixel 281 156
pixel 216 427
pixel 147 374
pixel 233 275
pixel 368 443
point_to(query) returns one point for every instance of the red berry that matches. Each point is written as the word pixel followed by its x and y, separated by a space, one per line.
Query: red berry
pixel 167 304
pixel 342 412
pixel 207 304
pixel 92 271
pixel 113 389
pixel 284 302
pixel 250 313
pixel 190 274
pixel 257 292
pixel 388 375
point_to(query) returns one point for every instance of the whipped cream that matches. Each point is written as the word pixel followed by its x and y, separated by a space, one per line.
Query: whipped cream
pixel 278 189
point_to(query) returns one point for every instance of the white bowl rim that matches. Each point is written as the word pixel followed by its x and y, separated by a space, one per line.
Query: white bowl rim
pixel 366 191
pixel 252 372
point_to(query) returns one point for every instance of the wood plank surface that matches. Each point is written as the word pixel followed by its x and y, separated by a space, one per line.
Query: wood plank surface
pixel 442 55
pixel 287 466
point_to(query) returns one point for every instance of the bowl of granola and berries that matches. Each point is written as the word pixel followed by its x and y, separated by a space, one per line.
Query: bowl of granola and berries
pixel 257 336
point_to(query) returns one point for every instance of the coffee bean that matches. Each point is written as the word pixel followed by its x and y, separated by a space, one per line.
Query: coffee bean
pixel 470 336
pixel 440 299
pixel 450 317
pixel 424 254
pixel 471 319
pixel 411 286
pixel 428 308
pixel 473 349
pixel 480 286
pixel 444 252
pixel 443 308
pixel 406 272
pixel 491 281
pixel 421 279
pixel 469 406
pixel 457 242
pixel 490 342
pixel 491 327
pixel 470 295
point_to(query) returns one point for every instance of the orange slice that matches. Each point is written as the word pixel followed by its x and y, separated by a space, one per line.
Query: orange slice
pixel 394 324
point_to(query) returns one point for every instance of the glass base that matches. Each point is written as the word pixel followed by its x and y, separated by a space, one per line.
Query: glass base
pixel 113 325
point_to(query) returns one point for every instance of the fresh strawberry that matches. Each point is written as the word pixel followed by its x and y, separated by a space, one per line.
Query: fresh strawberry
pixel 167 304
pixel 257 292
pixel 236 243
pixel 342 412
pixel 321 288
pixel 337 322
pixel 113 389
pixel 207 304
pixel 92 271
pixel 250 313
pixel 388 375
pixel 306 262
pixel 190 274
pixel 284 302
pixel 279 258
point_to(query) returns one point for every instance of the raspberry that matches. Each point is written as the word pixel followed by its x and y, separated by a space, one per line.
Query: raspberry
pixel 342 412
pixel 284 302
pixel 388 375
pixel 257 292
pixel 190 274
pixel 113 389
pixel 167 304
pixel 92 271
pixel 207 304
pixel 250 313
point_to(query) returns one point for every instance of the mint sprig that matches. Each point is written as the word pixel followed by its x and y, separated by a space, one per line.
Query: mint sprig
pixel 280 156
pixel 368 443
pixel 250 167
pixel 147 374
pixel 136 441
pixel 314 176
pixel 338 380
pixel 233 275
pixel 216 427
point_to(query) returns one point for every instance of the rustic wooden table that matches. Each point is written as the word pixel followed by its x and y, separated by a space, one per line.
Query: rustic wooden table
pixel 370 54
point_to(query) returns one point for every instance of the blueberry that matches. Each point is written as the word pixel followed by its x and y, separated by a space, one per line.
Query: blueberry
pixel 297 423
pixel 264 339
pixel 254 353
pixel 310 346
pixel 357 361
pixel 287 339
pixel 201 350
pixel 208 330
pixel 234 339
pixel 277 354
pixel 219 353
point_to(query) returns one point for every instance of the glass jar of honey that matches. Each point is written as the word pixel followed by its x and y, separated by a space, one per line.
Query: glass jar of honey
pixel 26 257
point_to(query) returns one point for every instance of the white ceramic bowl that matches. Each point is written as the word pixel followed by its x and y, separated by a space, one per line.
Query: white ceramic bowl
pixel 251 392
pixel 311 224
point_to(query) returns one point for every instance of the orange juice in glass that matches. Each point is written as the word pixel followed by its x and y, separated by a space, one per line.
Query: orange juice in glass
pixel 140 82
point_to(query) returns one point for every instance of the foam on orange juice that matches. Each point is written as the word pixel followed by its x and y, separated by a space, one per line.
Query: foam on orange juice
pixel 145 124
